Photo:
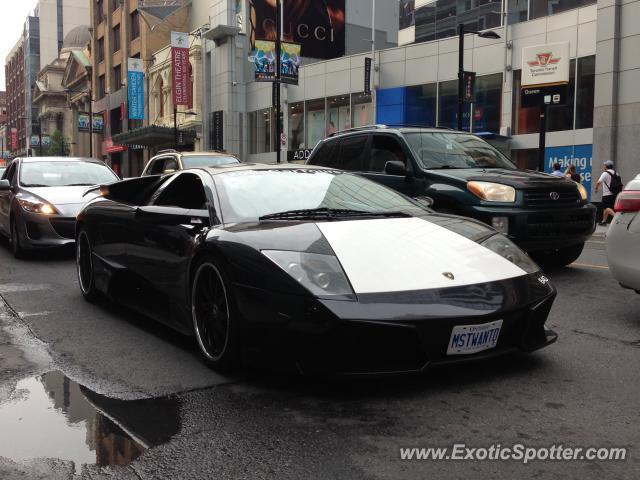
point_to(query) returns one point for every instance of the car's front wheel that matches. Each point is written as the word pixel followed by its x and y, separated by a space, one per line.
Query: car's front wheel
pixel 84 265
pixel 213 314
pixel 559 257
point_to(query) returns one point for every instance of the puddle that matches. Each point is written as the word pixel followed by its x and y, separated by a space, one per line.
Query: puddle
pixel 52 416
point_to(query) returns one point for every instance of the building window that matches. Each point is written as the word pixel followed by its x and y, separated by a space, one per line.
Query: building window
pixel 487 108
pixel 135 24
pixel 116 38
pixel 338 114
pixel 114 5
pixel 117 78
pixel 99 11
pixel 518 11
pixel 296 126
pixel 523 120
pixel 101 49
pixel 561 117
pixel 101 87
pixel 525 159
pixel 260 131
pixel 315 121
pixel 543 8
pixel 190 104
pixel 421 104
pixel 585 91
pixel 161 98
pixel 448 106
pixel 361 110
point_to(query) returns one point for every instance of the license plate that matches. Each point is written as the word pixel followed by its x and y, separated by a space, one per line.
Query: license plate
pixel 467 339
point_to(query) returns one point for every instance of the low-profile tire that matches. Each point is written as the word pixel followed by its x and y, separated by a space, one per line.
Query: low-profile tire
pixel 84 267
pixel 560 257
pixel 214 315
pixel 16 248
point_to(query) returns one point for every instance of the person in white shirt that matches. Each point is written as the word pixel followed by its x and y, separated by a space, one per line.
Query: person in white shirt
pixel 608 198
pixel 556 171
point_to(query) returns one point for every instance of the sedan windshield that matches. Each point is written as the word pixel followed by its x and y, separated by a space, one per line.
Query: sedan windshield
pixel 248 195
pixel 194 161
pixel 455 150
pixel 64 174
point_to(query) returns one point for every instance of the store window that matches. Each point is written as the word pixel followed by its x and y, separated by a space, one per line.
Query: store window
pixel 338 114
pixel 523 120
pixel 421 104
pixel 362 111
pixel 526 159
pixel 315 121
pixel 448 106
pixel 584 92
pixel 487 108
pixel 561 117
pixel 260 131
pixel 296 126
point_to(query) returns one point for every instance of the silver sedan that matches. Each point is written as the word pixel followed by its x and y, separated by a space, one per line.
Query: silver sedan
pixel 623 237
pixel 41 196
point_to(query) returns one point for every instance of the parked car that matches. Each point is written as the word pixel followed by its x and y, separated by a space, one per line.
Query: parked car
pixel 336 272
pixel 548 217
pixel 169 161
pixel 623 237
pixel 41 196
pixel 2 169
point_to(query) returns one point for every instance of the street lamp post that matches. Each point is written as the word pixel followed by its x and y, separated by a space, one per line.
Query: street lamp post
pixel 461 33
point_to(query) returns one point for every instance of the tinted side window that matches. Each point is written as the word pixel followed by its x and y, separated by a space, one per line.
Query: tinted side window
pixel 351 152
pixel 156 167
pixel 10 174
pixel 185 191
pixel 384 148
pixel 322 156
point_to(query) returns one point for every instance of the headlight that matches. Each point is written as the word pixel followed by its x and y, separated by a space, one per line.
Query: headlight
pixel 34 205
pixel 506 248
pixel 583 192
pixel 492 192
pixel 320 274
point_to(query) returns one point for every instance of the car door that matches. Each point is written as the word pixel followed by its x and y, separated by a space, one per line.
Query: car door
pixel 165 233
pixel 387 148
pixel 6 197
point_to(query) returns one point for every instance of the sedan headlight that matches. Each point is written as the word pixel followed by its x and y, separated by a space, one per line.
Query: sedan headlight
pixel 583 192
pixel 506 248
pixel 35 205
pixel 320 274
pixel 492 192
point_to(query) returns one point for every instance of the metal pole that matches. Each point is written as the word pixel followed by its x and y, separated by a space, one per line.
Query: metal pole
pixel 90 124
pixel 278 67
pixel 542 139
pixel 175 127
pixel 460 74
pixel 39 138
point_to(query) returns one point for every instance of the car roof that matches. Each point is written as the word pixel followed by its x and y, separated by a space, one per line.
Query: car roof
pixel 213 154
pixel 394 129
pixel 60 159
pixel 244 167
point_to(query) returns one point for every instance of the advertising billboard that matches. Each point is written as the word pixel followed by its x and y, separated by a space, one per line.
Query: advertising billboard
pixel 579 155
pixel 317 25
pixel 264 60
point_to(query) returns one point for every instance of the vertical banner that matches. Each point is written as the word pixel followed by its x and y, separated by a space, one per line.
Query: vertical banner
pixel 469 83
pixel 367 76
pixel 217 131
pixel 135 88
pixel 14 138
pixel 180 68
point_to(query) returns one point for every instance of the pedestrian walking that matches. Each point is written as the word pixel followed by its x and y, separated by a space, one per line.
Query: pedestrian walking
pixel 556 170
pixel 572 174
pixel 611 185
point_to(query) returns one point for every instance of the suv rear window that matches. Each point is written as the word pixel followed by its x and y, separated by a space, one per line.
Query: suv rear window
pixel 455 150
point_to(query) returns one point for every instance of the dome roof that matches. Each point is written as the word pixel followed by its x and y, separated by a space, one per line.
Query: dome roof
pixel 78 37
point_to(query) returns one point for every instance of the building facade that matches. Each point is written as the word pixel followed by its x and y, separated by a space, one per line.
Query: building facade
pixel 57 19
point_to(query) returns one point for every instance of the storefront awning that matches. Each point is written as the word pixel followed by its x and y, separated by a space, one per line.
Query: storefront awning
pixel 155 136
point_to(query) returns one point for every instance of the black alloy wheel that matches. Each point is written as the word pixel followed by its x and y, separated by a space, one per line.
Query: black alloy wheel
pixel 212 313
pixel 84 264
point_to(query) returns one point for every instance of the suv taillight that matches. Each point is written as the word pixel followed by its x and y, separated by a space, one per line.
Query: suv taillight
pixel 628 201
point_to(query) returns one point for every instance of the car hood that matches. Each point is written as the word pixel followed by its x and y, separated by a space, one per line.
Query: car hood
pixel 520 179
pixel 68 200
pixel 390 254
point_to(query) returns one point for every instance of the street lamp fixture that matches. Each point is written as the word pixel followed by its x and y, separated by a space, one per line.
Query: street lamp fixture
pixel 461 33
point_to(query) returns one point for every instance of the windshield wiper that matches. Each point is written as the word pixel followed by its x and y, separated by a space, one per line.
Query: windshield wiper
pixel 78 185
pixel 34 185
pixel 445 167
pixel 324 213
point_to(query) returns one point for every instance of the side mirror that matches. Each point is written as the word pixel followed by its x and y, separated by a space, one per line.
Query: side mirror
pixel 426 202
pixel 395 167
pixel 5 186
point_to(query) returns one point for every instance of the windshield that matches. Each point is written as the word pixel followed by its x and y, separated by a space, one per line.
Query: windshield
pixel 193 161
pixel 455 150
pixel 64 174
pixel 247 195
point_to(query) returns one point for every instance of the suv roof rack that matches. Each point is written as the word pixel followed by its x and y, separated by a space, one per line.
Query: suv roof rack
pixel 357 129
pixel 167 150
pixel 389 125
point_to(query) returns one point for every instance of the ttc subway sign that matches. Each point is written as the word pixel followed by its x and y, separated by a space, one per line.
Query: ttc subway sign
pixel 544 65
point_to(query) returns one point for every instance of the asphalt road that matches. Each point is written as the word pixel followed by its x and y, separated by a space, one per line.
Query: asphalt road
pixel 149 382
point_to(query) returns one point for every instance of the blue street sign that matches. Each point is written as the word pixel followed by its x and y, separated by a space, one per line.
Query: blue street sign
pixel 135 89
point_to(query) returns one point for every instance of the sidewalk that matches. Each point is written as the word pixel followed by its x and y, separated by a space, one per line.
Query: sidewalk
pixel 601 230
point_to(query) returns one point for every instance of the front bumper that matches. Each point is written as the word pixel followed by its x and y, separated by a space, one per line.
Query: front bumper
pixel 396 333
pixel 541 229
pixel 43 231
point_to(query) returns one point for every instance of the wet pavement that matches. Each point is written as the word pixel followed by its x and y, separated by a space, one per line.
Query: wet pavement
pixel 96 392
